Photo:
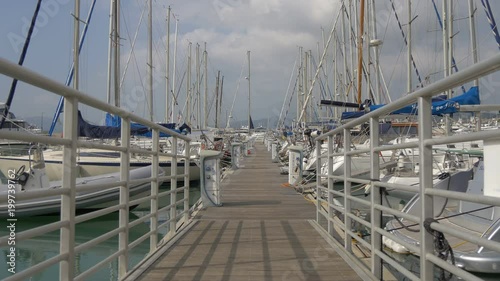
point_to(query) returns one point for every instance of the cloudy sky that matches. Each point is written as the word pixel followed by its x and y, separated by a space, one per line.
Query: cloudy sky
pixel 272 30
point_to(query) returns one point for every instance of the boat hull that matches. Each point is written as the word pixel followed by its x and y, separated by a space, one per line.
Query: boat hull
pixel 85 200
pixel 54 168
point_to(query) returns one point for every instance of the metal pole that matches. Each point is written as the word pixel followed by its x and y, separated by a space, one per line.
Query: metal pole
pixel 475 55
pixel 67 233
pixel 376 52
pixel 205 78
pixel 376 215
pixel 173 73
pixel 123 214
pixel 249 94
pixel 198 96
pixel 445 55
pixel 116 39
pixel 150 60
pixel 425 133
pixel 155 165
pixel 409 80
pixel 110 49
pixel 167 68
pixel 188 86
pixel 360 48
pixel 300 90
pixel 305 86
pixel 173 188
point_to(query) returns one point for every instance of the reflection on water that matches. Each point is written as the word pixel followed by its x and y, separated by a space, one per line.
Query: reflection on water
pixel 33 251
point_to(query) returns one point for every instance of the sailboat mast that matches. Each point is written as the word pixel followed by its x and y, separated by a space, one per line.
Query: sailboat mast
pixel 110 49
pixel 249 94
pixel 446 47
pixel 150 60
pixel 344 53
pixel 76 41
pixel 300 91
pixel 174 101
pixel 305 85
pixel 198 97
pixel 167 68
pixel 375 51
pixel 475 57
pixel 360 48
pixel 409 77
pixel 116 44
pixel 217 100
pixel 473 39
pixel 205 98
pixel 188 86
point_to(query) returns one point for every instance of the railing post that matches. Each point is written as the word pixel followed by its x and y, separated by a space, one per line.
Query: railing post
pixel 67 233
pixel 235 155
pixel 376 214
pixel 274 152
pixel 330 210
pixel 424 133
pixel 173 189
pixel 318 178
pixel 347 189
pixel 269 144
pixel 187 166
pixel 245 148
pixel 153 239
pixel 210 178
pixel 124 198
pixel 295 164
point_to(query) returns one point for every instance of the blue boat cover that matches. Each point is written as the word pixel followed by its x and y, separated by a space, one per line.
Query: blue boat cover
pixel 141 130
pixel 439 107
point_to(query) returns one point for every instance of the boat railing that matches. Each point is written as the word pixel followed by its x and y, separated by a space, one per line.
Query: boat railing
pixel 160 230
pixel 338 210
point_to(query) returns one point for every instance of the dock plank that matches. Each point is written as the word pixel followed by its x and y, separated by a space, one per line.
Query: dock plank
pixel 262 232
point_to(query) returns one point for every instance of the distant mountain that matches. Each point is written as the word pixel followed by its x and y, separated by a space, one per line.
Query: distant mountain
pixel 45 123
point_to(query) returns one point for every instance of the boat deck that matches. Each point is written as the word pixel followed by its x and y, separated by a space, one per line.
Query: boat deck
pixel 262 232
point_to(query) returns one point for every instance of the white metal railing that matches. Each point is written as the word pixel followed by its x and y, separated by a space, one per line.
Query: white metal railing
pixel 68 219
pixel 336 219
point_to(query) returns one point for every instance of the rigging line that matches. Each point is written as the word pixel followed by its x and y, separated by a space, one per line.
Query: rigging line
pixel 491 20
pixel 235 94
pixel 21 61
pixel 394 69
pixel 287 91
pixel 406 43
pixel 323 89
pixel 291 98
pixel 453 62
pixel 69 78
pixel 311 87
pixel 132 44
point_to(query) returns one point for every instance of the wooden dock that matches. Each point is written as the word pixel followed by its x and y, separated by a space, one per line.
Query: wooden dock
pixel 262 232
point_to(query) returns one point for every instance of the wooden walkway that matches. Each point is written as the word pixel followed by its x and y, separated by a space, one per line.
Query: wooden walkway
pixel 262 232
